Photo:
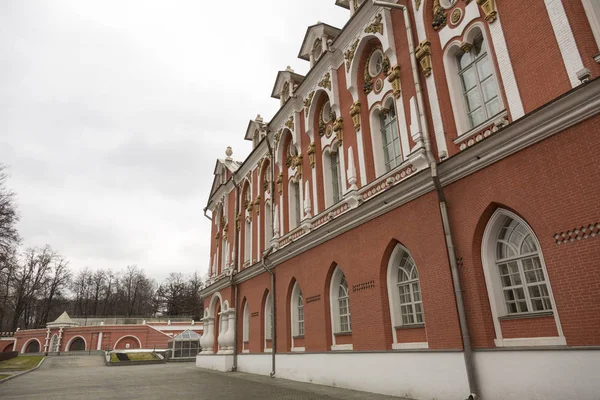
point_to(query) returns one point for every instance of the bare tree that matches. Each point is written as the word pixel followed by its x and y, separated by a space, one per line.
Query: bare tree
pixel 9 237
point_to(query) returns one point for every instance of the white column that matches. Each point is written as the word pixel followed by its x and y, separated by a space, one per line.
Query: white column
pixel 229 335
pixel 99 347
pixel 222 328
pixel 565 39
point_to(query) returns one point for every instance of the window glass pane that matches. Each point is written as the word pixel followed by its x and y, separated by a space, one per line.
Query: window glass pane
pixel 484 68
pixel 469 79
pixel 493 107
pixel 464 60
pixel 473 99
pixel 477 117
pixel 489 89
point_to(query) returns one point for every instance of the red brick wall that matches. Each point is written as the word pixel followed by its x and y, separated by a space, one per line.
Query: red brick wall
pixel 529 327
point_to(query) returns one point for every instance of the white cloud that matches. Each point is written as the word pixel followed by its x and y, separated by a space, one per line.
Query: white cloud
pixel 113 112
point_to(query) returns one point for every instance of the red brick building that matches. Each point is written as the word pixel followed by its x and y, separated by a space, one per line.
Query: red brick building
pixel 66 334
pixel 421 216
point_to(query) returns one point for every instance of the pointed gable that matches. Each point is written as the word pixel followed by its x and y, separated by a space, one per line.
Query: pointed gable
pixel 321 31
pixel 288 76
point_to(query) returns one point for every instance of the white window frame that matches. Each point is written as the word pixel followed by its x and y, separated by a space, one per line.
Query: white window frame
pixel 328 187
pixel 394 300
pixel 268 319
pixel 246 328
pixel 295 204
pixel 459 107
pixel 374 69
pixel 268 224
pixel 494 285
pixel 376 135
pixel 295 314
pixel 336 279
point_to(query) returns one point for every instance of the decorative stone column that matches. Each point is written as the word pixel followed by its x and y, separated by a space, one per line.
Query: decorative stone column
pixel 46 343
pixel 209 338
pixel 229 334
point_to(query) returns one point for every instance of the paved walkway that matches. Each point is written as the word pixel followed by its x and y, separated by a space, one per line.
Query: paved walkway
pixel 86 377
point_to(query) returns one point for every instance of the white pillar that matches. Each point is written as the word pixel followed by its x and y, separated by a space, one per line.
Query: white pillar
pixel 223 325
pixel 99 347
pixel 209 341
pixel 229 334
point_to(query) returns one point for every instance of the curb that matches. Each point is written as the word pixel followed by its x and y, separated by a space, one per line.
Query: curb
pixel 22 372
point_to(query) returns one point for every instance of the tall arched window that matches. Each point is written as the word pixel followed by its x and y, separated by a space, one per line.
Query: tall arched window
pixel 268 224
pixel 517 279
pixel 390 138
pixel 344 306
pixel 479 87
pixel 247 228
pixel 333 184
pixel 246 328
pixel 297 318
pixel 295 203
pixel 406 306
pixel 341 322
pixel 54 345
pixel 521 273
pixel 268 313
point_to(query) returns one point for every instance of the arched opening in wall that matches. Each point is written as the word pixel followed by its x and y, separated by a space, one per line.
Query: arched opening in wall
pixel 406 304
pixel 76 344
pixel 246 327
pixel 8 347
pixel 265 189
pixel 248 207
pixel 339 305
pixel 128 342
pixel 32 346
pixel 54 344
pixel 332 184
pixel 472 81
pixel 296 320
pixel 385 137
pixel 268 322
pixel 294 204
pixel 218 328
pixel 518 285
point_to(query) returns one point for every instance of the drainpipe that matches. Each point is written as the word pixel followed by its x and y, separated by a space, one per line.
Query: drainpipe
pixel 273 319
pixel 462 316
pixel 205 210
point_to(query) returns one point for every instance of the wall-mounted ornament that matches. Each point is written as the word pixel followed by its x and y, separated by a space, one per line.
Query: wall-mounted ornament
pixel 417 4
pixel 238 222
pixel 257 204
pixel 217 237
pixel 308 100
pixel 349 54
pixel 326 81
pixel 355 114
pixel 328 131
pixel 311 154
pixel 277 137
pixel 337 128
pixel 378 85
pixel 279 183
pixel 267 186
pixel 259 163
pixel 394 79
pixel 423 54
pixel 368 84
pixel 455 16
pixel 439 16
pixel 385 65
pixel 290 123
pixel 489 8
pixel 466 47
pixel 297 165
pixel 321 125
pixel 376 26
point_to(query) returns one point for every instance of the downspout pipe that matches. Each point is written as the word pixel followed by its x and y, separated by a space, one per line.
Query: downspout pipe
pixel 205 210
pixel 273 319
pixel 467 349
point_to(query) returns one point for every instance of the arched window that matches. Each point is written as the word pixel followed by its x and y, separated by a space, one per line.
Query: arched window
pixel 297 311
pixel 479 87
pixel 390 138
pixel 344 306
pixel 246 328
pixel 268 313
pixel 317 49
pixel 224 253
pixel 247 228
pixel 517 278
pixel 268 224
pixel 54 345
pixel 295 202
pixel 333 184
pixel 521 273
pixel 409 291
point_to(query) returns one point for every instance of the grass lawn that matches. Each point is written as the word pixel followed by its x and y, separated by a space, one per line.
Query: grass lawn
pixel 20 363
pixel 135 357
pixel 2 376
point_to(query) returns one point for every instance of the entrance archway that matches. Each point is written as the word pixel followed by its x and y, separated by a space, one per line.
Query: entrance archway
pixel 8 347
pixel 77 344
pixel 32 347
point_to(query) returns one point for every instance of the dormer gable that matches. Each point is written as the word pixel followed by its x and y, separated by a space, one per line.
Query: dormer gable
pixel 256 130
pixel 285 84
pixel 316 41
pixel 351 5
pixel 224 168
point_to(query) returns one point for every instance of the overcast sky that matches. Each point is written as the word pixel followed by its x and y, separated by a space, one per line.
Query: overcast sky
pixel 112 113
